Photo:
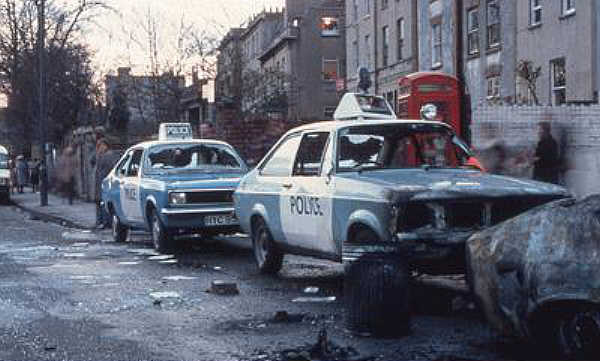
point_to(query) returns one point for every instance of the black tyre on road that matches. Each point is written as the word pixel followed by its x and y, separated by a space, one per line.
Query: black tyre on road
pixel 119 230
pixel 376 292
pixel 269 258
pixel 161 237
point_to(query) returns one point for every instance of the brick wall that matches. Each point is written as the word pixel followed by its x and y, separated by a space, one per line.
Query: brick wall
pixel 515 130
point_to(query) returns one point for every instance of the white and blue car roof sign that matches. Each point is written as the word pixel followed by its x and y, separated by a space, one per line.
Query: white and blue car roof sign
pixel 175 131
pixel 355 106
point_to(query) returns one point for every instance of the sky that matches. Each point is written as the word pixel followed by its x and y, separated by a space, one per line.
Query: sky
pixel 110 35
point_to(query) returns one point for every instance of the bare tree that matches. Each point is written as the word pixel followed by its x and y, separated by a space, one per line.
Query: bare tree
pixel 528 72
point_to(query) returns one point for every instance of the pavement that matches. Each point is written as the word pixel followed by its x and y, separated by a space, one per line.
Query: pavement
pixel 80 214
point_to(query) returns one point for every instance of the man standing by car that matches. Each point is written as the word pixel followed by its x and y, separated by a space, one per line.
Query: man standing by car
pixel 545 166
pixel 104 161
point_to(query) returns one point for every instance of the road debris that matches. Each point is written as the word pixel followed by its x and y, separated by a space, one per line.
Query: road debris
pixel 324 350
pixel 311 289
pixel 285 317
pixel 220 287
pixel 536 276
pixel 314 299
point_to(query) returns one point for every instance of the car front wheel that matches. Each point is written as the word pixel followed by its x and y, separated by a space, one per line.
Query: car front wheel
pixel 269 258
pixel 161 238
pixel 119 230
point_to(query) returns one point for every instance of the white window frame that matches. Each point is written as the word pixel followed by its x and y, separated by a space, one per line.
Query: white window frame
pixel 535 8
pixel 568 7
pixel 557 88
pixel 473 31
pixel 493 87
pixel 490 4
pixel 436 45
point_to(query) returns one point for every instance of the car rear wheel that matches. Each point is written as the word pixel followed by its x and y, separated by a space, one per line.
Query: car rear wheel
pixel 376 292
pixel 119 230
pixel 161 237
pixel 579 333
pixel 269 258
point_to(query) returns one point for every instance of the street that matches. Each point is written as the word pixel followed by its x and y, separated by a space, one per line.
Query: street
pixel 67 298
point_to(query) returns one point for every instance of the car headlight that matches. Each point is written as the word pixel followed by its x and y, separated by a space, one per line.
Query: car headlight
pixel 177 198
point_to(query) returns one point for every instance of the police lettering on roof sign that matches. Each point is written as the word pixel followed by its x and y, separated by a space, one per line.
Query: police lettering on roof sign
pixel 174 131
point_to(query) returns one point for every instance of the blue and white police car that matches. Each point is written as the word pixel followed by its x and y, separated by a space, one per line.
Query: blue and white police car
pixel 373 186
pixel 176 185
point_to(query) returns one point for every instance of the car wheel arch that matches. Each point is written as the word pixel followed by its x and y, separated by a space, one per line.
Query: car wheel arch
pixel 361 219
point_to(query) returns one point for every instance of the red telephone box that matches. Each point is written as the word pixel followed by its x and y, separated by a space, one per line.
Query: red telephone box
pixel 442 90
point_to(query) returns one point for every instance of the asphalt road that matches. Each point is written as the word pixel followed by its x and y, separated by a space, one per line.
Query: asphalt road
pixel 63 297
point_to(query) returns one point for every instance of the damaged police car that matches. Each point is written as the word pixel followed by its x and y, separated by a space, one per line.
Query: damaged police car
pixel 372 187
pixel 176 185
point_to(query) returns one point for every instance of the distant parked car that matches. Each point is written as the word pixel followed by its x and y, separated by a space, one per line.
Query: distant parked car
pixel 174 186
pixel 398 192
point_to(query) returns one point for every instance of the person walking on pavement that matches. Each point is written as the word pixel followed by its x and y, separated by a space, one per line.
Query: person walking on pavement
pixel 104 161
pixel 66 173
pixel 22 173
pixel 13 175
pixel 545 166
pixel 35 175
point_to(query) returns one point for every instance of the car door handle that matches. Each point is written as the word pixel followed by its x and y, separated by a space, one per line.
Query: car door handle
pixel 287 185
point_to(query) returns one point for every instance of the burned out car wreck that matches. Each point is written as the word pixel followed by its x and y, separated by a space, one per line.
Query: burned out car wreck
pixel 395 193
pixel 536 276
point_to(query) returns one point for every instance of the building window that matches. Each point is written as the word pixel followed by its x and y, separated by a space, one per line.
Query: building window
pixel 356 54
pixel 296 22
pixel 330 69
pixel 400 34
pixel 329 26
pixel 559 81
pixel 384 4
pixel 568 7
pixel 436 45
pixel 535 13
pixel 385 42
pixel 328 112
pixel 473 31
pixel 493 87
pixel 493 23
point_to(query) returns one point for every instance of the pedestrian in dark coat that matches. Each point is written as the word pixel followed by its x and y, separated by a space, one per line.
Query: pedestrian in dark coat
pixel 104 161
pixel 22 173
pixel 546 164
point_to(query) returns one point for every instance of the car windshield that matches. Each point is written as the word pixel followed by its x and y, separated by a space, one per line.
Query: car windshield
pixel 393 146
pixel 3 161
pixel 192 157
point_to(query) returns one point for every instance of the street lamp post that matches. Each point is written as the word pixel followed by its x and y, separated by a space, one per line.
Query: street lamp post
pixel 42 116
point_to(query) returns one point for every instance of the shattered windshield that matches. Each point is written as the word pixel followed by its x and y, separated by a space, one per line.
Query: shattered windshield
pixel 3 161
pixel 192 157
pixel 396 146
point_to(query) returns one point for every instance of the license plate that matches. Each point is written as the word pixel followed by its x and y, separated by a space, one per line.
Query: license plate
pixel 220 220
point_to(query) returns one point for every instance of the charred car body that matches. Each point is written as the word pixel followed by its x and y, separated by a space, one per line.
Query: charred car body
pixel 400 190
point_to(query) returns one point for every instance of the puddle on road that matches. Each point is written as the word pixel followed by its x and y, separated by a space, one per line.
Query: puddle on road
pixel 168 261
pixel 179 278
pixel 74 255
pixel 164 294
pixel 143 251
pixel 314 299
pixel 80 244
pixel 129 263
pixel 161 257
pixel 28 249
pixel 81 277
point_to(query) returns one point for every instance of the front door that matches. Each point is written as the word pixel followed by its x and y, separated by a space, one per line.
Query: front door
pixel 306 212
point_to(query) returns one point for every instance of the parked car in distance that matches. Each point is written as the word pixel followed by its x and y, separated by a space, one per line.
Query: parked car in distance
pixel 174 186
pixel 397 190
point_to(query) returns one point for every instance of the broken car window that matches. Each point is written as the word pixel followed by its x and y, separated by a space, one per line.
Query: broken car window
pixel 179 157
pixel 396 146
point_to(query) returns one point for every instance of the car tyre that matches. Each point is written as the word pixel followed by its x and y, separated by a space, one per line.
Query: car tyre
pixel 161 237
pixel 376 292
pixel 4 198
pixel 578 333
pixel 268 256
pixel 119 230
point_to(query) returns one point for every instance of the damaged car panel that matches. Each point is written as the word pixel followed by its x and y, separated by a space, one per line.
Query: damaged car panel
pixel 536 275
pixel 406 181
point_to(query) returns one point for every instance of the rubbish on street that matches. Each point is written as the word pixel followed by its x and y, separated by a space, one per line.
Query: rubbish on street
pixel 314 299
pixel 224 287
pixel 536 276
